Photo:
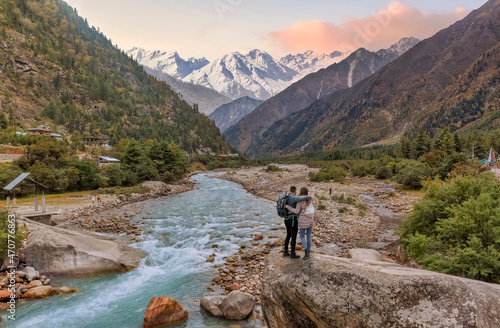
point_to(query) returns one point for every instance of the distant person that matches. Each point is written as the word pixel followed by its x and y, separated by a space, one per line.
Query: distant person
pixel 291 223
pixel 93 199
pixel 330 191
pixel 98 198
pixel 305 211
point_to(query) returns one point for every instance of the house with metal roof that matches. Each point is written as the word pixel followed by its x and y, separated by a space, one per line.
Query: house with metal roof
pixel 105 160
pixel 41 130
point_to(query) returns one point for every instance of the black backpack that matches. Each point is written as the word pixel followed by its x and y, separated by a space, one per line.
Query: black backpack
pixel 281 205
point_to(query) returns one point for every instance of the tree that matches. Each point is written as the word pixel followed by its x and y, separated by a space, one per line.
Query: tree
pixel 3 121
pixel 114 174
pixel 420 145
pixel 405 147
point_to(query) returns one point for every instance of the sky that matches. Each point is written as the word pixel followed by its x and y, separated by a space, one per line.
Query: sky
pixel 212 28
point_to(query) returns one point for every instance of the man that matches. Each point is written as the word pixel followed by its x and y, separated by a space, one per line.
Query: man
pixel 291 223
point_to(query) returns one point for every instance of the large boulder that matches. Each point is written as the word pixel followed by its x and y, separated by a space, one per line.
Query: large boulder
pixel 338 292
pixel 237 305
pixel 30 273
pixel 40 292
pixel 163 311
pixel 59 251
pixel 5 295
pixel 212 304
pixel 34 284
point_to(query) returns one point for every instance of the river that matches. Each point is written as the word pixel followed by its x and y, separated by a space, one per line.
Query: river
pixel 178 239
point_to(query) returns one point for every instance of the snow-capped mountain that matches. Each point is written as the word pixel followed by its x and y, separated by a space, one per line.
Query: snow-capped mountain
pixel 256 74
pixel 167 62
pixel 397 49
pixel 235 75
pixel 310 61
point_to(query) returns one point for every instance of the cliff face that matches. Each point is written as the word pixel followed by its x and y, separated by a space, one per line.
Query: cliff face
pixel 333 292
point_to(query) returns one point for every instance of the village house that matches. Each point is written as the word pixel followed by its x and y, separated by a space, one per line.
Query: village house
pixel 103 161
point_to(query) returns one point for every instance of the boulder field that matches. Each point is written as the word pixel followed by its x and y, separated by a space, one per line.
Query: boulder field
pixel 363 292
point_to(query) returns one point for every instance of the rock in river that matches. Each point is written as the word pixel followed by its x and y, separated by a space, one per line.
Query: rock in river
pixel 163 311
pixel 237 305
pixel 212 304
pixel 40 292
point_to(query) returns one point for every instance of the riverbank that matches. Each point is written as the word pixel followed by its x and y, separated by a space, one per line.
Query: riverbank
pixel 85 216
pixel 358 213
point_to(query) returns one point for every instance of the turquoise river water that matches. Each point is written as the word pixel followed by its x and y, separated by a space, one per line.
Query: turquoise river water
pixel 178 240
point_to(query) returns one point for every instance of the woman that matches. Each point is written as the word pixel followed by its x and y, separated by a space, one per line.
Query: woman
pixel 306 221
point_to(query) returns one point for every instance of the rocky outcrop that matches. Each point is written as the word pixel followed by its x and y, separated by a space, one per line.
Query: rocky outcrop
pixel 59 251
pixel 333 292
pixel 163 311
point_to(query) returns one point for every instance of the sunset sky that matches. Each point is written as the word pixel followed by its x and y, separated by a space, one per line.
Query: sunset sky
pixel 212 28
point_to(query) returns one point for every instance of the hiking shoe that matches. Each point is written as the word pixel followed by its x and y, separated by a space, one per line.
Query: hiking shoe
pixel 294 256
pixel 285 254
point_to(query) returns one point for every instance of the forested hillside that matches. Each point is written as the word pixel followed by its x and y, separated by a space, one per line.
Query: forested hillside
pixel 55 68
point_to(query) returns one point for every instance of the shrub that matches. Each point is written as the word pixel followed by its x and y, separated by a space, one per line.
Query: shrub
pixel 455 229
pixel 411 174
pixel 344 200
pixel 332 172
pixel 360 170
pixel 383 173
pixel 273 168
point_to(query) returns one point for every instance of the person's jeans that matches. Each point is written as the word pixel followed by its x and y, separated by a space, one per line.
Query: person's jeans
pixel 303 232
pixel 291 233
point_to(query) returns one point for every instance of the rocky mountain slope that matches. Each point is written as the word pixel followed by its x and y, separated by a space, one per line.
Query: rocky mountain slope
pixel 358 66
pixel 229 114
pixel 56 70
pixel 206 100
pixel 450 78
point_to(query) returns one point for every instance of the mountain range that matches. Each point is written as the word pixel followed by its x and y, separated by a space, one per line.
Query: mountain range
pixel 353 69
pixel 256 74
pixel 229 114
pixel 169 63
pixel 448 80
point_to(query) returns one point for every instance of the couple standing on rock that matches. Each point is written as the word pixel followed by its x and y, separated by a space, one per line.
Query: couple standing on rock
pixel 301 216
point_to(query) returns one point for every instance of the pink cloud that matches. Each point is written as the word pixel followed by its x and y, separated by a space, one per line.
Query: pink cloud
pixel 373 32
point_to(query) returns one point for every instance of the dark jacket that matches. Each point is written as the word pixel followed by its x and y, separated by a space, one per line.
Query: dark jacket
pixel 292 202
